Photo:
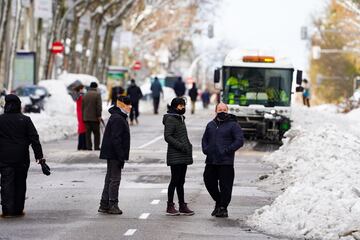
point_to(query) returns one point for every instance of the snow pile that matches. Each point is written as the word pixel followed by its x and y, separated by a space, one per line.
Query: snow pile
pixel 69 78
pixel 319 166
pixel 59 118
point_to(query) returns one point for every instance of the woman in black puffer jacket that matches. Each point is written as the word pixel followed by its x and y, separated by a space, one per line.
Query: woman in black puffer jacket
pixel 179 155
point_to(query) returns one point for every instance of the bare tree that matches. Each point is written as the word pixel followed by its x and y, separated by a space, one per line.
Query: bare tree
pixel 10 69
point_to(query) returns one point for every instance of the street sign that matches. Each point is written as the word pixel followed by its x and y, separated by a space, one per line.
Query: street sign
pixel 57 47
pixel 137 66
pixel 43 9
pixel 24 69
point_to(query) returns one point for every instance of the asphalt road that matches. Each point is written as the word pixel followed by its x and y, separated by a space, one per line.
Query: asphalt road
pixel 64 205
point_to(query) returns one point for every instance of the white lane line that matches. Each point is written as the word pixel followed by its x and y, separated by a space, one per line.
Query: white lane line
pixel 195 156
pixel 144 216
pixel 151 142
pixel 130 232
pixel 164 190
pixel 155 202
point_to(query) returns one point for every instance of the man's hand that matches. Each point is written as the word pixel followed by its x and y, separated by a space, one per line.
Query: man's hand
pixel 40 161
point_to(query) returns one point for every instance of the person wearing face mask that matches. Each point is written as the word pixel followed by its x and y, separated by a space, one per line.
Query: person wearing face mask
pixel 115 150
pixel 179 155
pixel 222 138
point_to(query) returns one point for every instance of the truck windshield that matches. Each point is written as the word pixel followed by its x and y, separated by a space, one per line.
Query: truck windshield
pixel 266 86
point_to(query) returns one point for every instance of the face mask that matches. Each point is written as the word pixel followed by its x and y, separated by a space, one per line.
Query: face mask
pixel 181 112
pixel 222 116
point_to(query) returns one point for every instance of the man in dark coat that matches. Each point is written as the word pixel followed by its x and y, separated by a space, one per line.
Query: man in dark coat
pixel 156 91
pixel 222 138
pixel 179 155
pixel 17 132
pixel 193 94
pixel 91 110
pixel 115 150
pixel 179 87
pixel 135 94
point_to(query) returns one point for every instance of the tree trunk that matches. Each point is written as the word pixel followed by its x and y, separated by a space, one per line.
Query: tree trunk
pixel 106 53
pixel 94 45
pixel 85 44
pixel 10 71
pixel 6 14
pixel 73 53
pixel 51 38
pixel 38 48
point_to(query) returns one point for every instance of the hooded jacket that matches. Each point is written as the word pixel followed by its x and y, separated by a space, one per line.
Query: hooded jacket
pixel 17 133
pixel 179 149
pixel 116 140
pixel 221 140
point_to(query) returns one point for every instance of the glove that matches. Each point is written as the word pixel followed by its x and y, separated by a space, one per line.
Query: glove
pixel 44 167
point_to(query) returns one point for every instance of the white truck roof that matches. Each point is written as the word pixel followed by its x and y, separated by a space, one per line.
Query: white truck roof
pixel 235 59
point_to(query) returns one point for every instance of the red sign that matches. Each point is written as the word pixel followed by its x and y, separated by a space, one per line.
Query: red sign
pixel 137 66
pixel 57 47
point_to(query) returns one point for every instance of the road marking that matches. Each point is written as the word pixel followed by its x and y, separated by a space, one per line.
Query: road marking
pixel 195 156
pixel 144 216
pixel 155 202
pixel 130 232
pixel 151 142
pixel 164 190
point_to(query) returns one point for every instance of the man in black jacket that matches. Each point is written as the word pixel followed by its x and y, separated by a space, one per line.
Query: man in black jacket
pixel 135 94
pixel 17 132
pixel 115 149
pixel 179 87
pixel 222 138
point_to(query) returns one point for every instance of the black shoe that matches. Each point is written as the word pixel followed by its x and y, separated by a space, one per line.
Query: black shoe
pixel 103 209
pixel 215 211
pixel 114 209
pixel 222 213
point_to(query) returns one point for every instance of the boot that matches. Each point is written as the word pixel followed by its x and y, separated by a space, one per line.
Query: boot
pixel 114 209
pixel 215 211
pixel 184 210
pixel 104 207
pixel 222 213
pixel 170 210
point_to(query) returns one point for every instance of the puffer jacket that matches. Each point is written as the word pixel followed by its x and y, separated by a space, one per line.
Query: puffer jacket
pixel 116 140
pixel 179 149
pixel 221 140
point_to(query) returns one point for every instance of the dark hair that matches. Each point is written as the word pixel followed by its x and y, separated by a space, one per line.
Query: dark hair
pixel 12 104
pixel 179 79
pixel 305 80
pixel 132 81
pixel 124 99
pixel 93 85
pixel 176 102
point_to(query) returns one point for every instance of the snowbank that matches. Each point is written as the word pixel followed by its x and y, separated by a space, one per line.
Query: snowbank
pixel 59 118
pixel 69 78
pixel 319 167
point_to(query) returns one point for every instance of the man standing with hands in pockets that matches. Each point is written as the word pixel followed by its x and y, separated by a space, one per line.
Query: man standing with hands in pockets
pixel 222 138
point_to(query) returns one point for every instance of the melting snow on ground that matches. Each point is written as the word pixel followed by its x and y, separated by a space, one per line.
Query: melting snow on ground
pixel 318 168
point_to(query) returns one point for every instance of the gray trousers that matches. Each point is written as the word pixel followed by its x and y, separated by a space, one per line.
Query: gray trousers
pixel 110 194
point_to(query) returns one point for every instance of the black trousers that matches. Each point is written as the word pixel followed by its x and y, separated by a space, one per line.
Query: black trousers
pixel 178 173
pixel 219 180
pixel 92 128
pixel 13 189
pixel 156 101
pixel 110 194
pixel 82 141
pixel 134 113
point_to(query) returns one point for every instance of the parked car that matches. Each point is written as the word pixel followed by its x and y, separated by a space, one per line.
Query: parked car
pixel 32 98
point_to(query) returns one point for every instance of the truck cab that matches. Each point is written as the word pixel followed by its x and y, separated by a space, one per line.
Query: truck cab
pixel 257 87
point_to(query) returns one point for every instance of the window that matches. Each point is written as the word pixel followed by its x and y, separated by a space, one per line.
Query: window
pixel 266 86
